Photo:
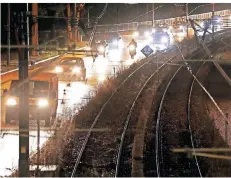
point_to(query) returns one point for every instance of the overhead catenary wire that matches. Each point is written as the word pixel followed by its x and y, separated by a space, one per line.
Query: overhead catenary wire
pixel 180 5
pixel 94 30
pixel 197 8
pixel 145 13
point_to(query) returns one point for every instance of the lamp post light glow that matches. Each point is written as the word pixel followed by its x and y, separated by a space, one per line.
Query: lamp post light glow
pixel 58 69
pixel 11 102
pixel 42 103
pixel 76 70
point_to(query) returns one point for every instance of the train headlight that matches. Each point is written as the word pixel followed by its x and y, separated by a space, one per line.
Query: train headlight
pixel 58 69
pixel 11 102
pixel 101 49
pixel 76 70
pixel 147 34
pixel 42 103
pixel 135 34
pixel 164 39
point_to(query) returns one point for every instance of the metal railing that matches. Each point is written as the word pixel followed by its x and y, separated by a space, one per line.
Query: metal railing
pixel 133 25
pixel 123 27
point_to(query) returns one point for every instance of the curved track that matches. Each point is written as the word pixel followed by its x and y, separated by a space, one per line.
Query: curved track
pixel 172 164
pixel 80 158
pixel 87 137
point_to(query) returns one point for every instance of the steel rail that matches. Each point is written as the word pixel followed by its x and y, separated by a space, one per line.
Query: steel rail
pixel 99 114
pixel 188 112
pixel 189 119
pixel 158 121
pixel 78 159
pixel 129 116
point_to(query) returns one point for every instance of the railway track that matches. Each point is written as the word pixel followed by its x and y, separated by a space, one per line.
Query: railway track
pixel 173 131
pixel 100 118
pixel 84 142
pixel 107 158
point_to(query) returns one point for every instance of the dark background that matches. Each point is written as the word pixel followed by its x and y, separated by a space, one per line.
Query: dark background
pixel 116 13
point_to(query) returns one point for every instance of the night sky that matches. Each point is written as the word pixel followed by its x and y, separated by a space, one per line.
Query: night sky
pixel 115 13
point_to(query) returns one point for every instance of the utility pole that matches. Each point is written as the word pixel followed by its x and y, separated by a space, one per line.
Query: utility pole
pixel 213 11
pixel 8 39
pixel 80 7
pixel 137 9
pixel 117 11
pixel 213 25
pixel 75 25
pixel 147 11
pixel 69 25
pixel 35 28
pixel 88 17
pixel 23 106
pixel 38 143
pixel 186 10
pixel 153 15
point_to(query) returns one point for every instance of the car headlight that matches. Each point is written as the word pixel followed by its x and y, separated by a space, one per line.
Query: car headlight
pixel 42 103
pixel 132 47
pixel 88 48
pixel 101 78
pixel 150 40
pixel 58 69
pixel 101 49
pixel 115 42
pixel 76 70
pixel 11 102
pixel 147 34
pixel 164 39
pixel 135 34
pixel 218 20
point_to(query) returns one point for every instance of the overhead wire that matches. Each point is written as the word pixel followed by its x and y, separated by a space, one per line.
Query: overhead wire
pixel 94 30
pixel 180 5
pixel 145 13
pixel 197 8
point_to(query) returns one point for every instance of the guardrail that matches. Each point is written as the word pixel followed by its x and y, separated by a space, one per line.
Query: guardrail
pixel 41 62
pixel 169 21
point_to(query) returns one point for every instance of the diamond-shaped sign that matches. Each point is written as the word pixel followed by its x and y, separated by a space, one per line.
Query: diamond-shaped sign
pixel 147 51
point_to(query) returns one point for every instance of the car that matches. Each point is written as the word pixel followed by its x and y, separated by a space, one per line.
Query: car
pixel 179 28
pixel 160 38
pixel 142 31
pixel 114 40
pixel 102 47
pixel 71 69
